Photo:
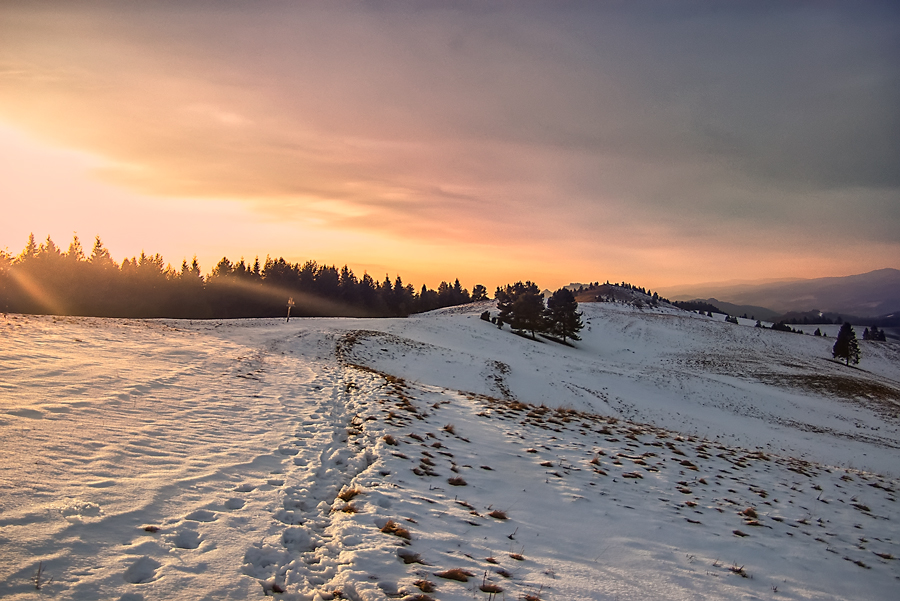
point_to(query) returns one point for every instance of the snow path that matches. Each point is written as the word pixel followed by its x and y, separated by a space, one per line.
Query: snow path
pixel 110 426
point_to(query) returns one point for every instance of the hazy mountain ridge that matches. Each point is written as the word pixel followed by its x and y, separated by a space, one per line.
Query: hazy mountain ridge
pixel 868 295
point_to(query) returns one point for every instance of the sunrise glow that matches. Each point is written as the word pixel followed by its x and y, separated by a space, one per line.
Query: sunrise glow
pixel 490 144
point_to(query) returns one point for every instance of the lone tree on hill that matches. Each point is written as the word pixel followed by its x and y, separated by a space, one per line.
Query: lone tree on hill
pixel 846 347
pixel 562 316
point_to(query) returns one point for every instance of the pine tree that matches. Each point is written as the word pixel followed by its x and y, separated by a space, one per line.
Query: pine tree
pixel 506 299
pixel 31 249
pixel 75 252
pixel 100 257
pixel 562 315
pixel 528 312
pixel 846 346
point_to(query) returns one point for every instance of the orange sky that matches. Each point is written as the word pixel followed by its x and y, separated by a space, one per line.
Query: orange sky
pixel 556 142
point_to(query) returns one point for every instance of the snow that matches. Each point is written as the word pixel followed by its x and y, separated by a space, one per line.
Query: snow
pixel 667 455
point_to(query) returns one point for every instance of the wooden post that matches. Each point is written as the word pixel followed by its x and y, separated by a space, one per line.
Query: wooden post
pixel 289 305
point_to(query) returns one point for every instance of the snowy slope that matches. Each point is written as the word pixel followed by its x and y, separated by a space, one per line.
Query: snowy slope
pixel 667 455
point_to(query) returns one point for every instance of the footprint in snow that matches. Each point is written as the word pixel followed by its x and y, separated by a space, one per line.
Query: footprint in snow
pixel 187 539
pixel 246 487
pixel 234 503
pixel 142 570
pixel 201 515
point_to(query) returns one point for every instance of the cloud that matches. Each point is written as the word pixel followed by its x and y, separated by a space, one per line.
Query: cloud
pixel 658 125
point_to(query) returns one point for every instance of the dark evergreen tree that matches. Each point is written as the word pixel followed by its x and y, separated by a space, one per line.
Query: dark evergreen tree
pixel 846 346
pixel 479 293
pixel 506 298
pixel 528 312
pixel 562 316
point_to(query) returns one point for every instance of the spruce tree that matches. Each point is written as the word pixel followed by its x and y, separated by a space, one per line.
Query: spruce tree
pixel 507 296
pixel 846 346
pixel 563 318
pixel 528 312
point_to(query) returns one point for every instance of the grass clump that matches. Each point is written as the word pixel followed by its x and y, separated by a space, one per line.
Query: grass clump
pixel 456 481
pixel 457 574
pixel 348 494
pixel 409 557
pixel 396 529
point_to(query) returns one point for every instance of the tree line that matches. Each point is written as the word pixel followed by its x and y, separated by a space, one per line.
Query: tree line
pixel 44 279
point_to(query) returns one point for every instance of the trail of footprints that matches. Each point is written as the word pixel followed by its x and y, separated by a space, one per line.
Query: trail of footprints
pixel 326 452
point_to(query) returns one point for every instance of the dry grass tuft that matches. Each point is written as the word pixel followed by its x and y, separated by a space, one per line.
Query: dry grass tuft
pixel 500 515
pixel 517 556
pixel 456 481
pixel 491 560
pixel 457 574
pixel 531 598
pixel 750 513
pixel 396 529
pixel 388 439
pixel 350 508
pixel 426 586
pixel 409 557
pixel 348 494
pixel 449 429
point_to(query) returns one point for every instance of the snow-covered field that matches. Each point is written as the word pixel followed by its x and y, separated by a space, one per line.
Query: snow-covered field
pixel 666 456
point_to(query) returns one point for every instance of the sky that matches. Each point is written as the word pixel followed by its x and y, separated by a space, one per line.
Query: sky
pixel 659 143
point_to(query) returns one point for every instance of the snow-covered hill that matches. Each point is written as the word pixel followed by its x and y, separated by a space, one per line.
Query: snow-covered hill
pixel 666 456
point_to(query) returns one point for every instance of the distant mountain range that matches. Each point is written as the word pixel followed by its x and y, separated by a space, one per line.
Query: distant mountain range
pixel 868 295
